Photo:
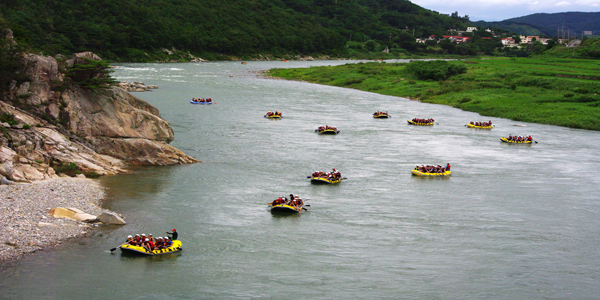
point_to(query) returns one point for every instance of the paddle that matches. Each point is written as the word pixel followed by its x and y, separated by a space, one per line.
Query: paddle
pixel 113 249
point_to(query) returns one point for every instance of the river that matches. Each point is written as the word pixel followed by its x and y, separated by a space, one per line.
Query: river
pixel 512 222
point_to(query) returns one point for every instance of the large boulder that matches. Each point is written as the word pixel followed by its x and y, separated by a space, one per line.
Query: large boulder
pixel 111 218
pixel 72 213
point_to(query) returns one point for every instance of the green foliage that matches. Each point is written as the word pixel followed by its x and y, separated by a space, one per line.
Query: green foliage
pixel 66 168
pixel 71 169
pixel 560 92
pixel 134 30
pixel 435 69
pixel 10 59
pixel 92 74
pixel 8 118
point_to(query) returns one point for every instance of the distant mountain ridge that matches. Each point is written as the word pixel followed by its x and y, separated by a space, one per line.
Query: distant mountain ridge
pixel 569 23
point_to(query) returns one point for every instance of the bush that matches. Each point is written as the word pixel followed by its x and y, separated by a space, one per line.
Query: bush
pixel 434 70
pixel 92 74
pixel 8 118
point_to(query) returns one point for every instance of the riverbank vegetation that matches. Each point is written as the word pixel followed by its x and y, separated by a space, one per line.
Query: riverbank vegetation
pixel 555 91
pixel 161 30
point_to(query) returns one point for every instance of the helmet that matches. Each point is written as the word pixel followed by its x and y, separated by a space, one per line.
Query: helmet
pixel 173 230
pixel 137 235
pixel 143 234
pixel 147 240
pixel 149 234
pixel 129 236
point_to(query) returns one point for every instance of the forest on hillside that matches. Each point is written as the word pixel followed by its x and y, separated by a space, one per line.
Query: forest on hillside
pixel 134 30
pixel 554 25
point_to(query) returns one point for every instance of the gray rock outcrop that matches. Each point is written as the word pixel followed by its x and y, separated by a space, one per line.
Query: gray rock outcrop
pixel 111 218
pixel 99 130
pixel 136 86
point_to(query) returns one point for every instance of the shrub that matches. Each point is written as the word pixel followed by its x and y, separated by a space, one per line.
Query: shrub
pixel 434 70
pixel 8 118
pixel 69 169
pixel 92 74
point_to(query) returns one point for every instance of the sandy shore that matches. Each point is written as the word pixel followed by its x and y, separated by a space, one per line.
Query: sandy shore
pixel 26 226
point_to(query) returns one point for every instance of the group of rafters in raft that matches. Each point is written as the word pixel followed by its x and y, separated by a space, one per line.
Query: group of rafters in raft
pixel 147 245
pixel 294 204
pixel 201 101
pixel 326 129
pixel 431 170
pixel 274 115
pixel 334 176
pixel 381 115
pixel 517 139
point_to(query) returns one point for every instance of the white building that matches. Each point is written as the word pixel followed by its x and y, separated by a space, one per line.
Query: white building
pixel 471 29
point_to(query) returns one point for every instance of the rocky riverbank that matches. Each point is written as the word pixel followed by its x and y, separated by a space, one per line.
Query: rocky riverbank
pixel 136 86
pixel 25 223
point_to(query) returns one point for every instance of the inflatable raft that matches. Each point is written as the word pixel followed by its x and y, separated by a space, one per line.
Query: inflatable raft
pixel 480 127
pixel 381 116
pixel 198 102
pixel 419 173
pixel 327 131
pixel 176 247
pixel 324 180
pixel 411 122
pixel 273 116
pixel 503 139
pixel 284 208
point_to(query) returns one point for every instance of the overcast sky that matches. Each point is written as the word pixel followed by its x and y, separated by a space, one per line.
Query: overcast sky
pixel 498 10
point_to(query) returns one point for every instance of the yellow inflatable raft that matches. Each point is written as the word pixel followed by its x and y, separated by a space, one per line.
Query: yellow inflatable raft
pixel 324 180
pixel 419 173
pixel 381 116
pixel 284 208
pixel 411 122
pixel 176 247
pixel 328 131
pixel 515 142
pixel 480 127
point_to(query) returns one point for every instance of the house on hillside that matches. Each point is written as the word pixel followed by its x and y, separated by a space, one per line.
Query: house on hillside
pixel 471 29
pixel 528 39
pixel 509 42
pixel 457 39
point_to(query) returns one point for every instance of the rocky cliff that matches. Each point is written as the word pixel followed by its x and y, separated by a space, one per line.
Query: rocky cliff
pixel 49 122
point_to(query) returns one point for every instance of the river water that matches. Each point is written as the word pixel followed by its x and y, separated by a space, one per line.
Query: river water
pixel 512 222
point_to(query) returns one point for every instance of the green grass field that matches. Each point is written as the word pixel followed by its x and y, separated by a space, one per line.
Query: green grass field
pixel 555 91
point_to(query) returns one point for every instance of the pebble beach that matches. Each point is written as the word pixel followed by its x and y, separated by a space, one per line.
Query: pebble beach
pixel 25 224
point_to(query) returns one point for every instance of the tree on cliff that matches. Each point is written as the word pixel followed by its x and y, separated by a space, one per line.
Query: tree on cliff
pixel 10 58
pixel 90 73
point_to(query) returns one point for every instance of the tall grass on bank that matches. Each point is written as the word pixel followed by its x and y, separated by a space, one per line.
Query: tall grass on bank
pixel 555 91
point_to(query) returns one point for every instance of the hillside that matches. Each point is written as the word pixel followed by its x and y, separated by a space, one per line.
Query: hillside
pixel 136 30
pixel 548 24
